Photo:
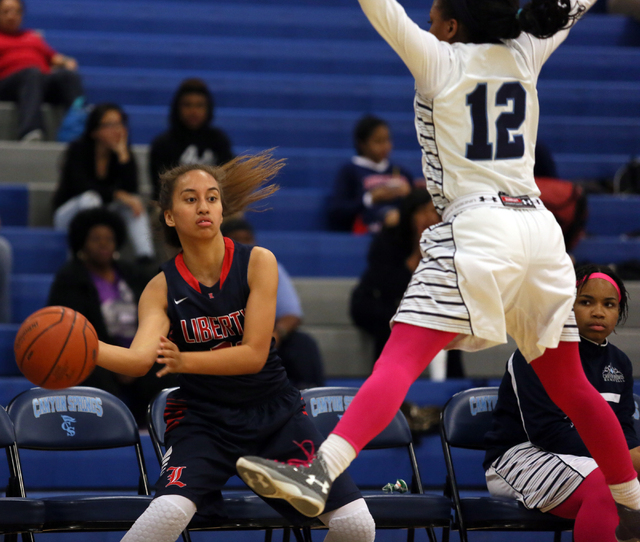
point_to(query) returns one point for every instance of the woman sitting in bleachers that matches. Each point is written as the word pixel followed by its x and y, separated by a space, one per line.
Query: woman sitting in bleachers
pixel 100 170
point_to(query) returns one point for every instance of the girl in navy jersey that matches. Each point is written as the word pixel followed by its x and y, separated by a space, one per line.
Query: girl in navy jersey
pixel 209 317
pixel 497 263
pixel 536 455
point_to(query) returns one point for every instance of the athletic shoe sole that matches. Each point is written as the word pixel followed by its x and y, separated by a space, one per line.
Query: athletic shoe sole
pixel 269 484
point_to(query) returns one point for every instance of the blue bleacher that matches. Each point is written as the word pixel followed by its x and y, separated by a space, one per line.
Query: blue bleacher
pixel 14 205
pixel 36 250
pixel 317 254
pixel 29 293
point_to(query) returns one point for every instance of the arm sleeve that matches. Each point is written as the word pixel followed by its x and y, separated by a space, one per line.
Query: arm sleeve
pixel 429 60
pixel 76 177
pixel 288 302
pixel 125 175
pixel 345 201
pixel 545 424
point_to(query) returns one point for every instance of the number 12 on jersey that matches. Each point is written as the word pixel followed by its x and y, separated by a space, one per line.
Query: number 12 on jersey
pixel 506 147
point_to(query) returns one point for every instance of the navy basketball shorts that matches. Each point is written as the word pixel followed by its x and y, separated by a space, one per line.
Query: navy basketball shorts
pixel 204 441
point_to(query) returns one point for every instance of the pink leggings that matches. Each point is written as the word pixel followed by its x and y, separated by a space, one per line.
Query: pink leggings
pixel 409 351
pixel 593 508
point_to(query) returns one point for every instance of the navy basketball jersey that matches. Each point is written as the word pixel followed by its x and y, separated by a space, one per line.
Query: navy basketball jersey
pixel 204 318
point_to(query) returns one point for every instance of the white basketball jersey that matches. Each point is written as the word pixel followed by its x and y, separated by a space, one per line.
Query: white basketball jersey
pixel 476 105
pixel 488 144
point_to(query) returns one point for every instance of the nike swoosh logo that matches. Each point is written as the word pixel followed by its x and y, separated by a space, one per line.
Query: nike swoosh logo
pixel 178 301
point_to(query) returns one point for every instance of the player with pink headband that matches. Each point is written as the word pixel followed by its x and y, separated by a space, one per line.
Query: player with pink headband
pixel 536 455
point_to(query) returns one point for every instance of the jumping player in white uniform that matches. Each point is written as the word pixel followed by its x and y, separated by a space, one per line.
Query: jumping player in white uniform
pixel 209 317
pixel 497 264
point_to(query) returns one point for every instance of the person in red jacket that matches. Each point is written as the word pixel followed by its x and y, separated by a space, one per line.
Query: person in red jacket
pixel 31 72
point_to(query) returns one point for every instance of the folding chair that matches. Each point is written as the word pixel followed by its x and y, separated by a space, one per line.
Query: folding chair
pixel 74 419
pixel 408 511
pixel 17 513
pixel 465 420
pixel 245 510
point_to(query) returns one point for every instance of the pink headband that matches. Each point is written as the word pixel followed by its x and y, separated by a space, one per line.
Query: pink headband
pixel 606 277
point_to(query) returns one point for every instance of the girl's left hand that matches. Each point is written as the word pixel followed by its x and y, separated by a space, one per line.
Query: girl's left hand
pixel 170 357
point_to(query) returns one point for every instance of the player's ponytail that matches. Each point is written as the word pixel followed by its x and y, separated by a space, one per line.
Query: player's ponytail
pixel 489 21
pixel 543 18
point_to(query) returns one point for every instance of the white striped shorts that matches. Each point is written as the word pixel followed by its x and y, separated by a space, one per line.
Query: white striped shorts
pixel 490 272
pixel 538 479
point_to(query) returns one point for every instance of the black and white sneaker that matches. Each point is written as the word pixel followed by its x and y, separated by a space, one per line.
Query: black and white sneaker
pixel 305 487
pixel 628 530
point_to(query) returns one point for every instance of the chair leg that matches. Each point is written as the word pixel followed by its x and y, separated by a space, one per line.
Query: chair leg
pixel 557 536
pixel 298 534
pixel 306 534
pixel 186 536
pixel 445 534
pixel 286 534
pixel 411 535
pixel 268 535
pixel 431 534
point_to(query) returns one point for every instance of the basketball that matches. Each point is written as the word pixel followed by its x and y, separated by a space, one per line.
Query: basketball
pixel 56 347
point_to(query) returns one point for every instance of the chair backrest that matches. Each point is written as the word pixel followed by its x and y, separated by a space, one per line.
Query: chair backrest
pixel 325 406
pixel 73 419
pixel 467 417
pixel 8 442
pixel 78 418
pixel 155 420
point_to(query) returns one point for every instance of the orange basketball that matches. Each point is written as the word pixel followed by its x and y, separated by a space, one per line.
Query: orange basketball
pixel 56 347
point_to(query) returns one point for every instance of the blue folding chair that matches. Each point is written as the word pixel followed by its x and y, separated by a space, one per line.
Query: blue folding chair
pixel 465 420
pixel 410 511
pixel 245 510
pixel 17 513
pixel 74 419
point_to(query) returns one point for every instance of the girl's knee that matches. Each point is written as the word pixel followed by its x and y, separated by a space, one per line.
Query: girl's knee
pixel 350 523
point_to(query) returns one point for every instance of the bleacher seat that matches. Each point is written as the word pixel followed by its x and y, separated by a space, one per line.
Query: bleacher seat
pixel 8 365
pixel 613 215
pixel 29 292
pixel 36 250
pixel 14 205
pixel 317 254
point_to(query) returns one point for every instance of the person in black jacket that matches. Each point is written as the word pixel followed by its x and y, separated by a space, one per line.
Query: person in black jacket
pixel 100 170
pixel 106 291
pixel 190 138
pixel 535 453
pixel 393 256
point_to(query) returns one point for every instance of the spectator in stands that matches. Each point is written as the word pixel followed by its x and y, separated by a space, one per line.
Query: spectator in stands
pixel 6 263
pixel 100 170
pixel 31 72
pixel 536 454
pixel 393 257
pixel 369 188
pixel 190 138
pixel 299 352
pixel 106 291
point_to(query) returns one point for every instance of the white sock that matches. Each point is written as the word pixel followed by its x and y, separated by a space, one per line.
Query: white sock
pixel 337 454
pixel 164 520
pixel 627 494
pixel 350 523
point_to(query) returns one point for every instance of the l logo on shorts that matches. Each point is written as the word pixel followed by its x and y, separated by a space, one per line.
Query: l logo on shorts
pixel 174 476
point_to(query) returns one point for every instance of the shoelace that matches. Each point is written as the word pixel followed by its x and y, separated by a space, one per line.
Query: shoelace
pixel 311 455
